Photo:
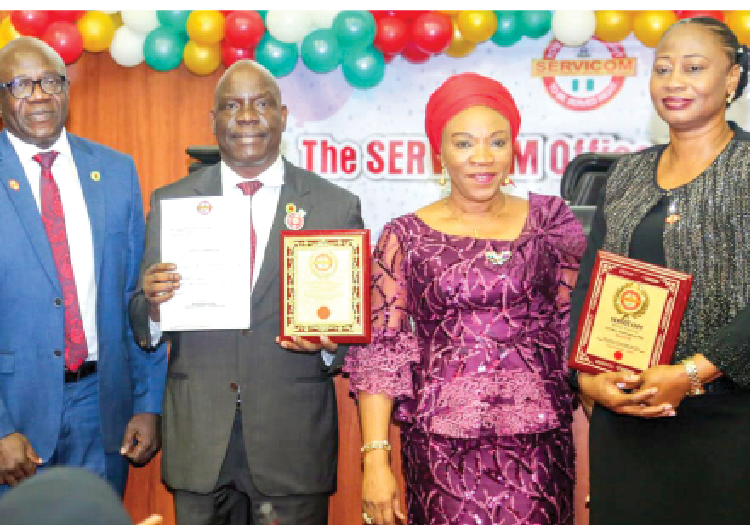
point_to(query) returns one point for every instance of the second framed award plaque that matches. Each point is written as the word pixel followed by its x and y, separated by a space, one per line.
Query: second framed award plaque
pixel 631 316
pixel 325 285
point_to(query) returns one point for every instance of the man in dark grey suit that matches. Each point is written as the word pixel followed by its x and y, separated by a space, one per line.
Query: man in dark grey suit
pixel 247 420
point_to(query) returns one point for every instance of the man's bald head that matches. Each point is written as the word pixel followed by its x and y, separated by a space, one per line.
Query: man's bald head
pixel 25 45
pixel 246 70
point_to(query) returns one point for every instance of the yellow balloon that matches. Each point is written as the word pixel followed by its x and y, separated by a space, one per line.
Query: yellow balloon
pixel 739 23
pixel 205 27
pixel 97 30
pixel 477 26
pixel 459 46
pixel 7 31
pixel 649 26
pixel 202 59
pixel 449 11
pixel 613 26
pixel 117 20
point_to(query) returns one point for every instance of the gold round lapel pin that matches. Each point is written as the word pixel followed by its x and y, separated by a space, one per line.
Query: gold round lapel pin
pixel 95 176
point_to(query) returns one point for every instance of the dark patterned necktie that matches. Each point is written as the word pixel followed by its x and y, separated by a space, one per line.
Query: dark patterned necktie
pixel 249 188
pixel 53 218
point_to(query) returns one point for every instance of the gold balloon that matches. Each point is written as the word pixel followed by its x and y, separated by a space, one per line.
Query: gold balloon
pixel 205 27
pixel 477 26
pixel 613 26
pixel 649 26
pixel 459 46
pixel 7 31
pixel 202 59
pixel 117 19
pixel 739 23
pixel 97 30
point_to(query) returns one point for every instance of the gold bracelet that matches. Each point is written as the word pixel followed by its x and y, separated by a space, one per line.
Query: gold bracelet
pixel 375 444
pixel 696 388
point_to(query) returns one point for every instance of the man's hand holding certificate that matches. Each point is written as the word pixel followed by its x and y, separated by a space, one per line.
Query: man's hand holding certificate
pixel 203 281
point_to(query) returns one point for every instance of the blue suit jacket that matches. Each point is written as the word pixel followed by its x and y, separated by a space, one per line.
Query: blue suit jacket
pixel 31 325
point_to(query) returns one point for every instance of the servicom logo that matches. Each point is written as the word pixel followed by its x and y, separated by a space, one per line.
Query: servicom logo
pixel 583 78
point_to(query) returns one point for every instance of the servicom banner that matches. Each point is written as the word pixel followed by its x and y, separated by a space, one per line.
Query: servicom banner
pixel 593 98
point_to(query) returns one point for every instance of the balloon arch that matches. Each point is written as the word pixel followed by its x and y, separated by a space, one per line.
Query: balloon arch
pixel 362 42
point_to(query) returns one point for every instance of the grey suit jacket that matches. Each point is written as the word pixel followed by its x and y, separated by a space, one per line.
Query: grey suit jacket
pixel 288 401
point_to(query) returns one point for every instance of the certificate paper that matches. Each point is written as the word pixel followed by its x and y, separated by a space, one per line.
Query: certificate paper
pixel 208 239
pixel 631 316
pixel 325 285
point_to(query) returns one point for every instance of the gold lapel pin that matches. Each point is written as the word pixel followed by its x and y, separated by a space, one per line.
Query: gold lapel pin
pixel 14 185
pixel 95 176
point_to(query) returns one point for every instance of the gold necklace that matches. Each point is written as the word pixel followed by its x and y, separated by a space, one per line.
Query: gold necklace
pixel 460 220
pixel 492 257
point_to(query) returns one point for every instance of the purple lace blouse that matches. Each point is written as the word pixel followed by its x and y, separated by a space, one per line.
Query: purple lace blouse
pixel 470 335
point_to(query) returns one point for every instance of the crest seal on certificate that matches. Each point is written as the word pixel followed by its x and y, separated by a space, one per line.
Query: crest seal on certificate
pixel 325 285
pixel 631 316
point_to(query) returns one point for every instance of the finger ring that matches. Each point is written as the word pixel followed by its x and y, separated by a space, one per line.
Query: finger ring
pixel 367 519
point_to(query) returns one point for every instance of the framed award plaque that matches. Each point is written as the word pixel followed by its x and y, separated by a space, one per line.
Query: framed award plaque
pixel 325 285
pixel 631 316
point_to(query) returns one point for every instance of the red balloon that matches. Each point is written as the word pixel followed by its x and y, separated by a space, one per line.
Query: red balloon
pixel 226 12
pixel 231 54
pixel 432 32
pixel 382 14
pixel 392 35
pixel 66 39
pixel 408 15
pixel 413 54
pixel 244 29
pixel 30 23
pixel 718 15
pixel 65 16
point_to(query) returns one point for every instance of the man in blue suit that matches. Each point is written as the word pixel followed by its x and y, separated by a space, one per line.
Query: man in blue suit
pixel 75 389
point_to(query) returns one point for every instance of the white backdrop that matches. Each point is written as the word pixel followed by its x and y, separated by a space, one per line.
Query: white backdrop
pixel 372 141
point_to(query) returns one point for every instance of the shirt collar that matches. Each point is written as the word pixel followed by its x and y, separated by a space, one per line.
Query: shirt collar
pixel 271 176
pixel 27 151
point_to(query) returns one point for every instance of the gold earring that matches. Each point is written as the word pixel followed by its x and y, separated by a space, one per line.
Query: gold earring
pixel 730 98
pixel 443 177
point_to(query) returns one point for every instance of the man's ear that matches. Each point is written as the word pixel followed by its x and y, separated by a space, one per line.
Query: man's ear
pixel 284 114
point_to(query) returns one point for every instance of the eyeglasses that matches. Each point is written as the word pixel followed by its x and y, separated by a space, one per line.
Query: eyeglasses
pixel 23 87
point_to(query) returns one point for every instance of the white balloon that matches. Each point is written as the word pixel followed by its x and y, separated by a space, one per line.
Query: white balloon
pixel 140 21
pixel 109 12
pixel 127 47
pixel 323 19
pixel 289 26
pixel 573 28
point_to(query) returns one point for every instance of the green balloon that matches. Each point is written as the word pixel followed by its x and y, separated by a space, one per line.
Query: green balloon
pixel 163 48
pixel 173 19
pixel 320 51
pixel 535 24
pixel 363 68
pixel 262 13
pixel 278 57
pixel 508 30
pixel 354 29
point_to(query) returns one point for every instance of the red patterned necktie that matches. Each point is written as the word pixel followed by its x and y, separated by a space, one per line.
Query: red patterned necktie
pixel 53 218
pixel 249 188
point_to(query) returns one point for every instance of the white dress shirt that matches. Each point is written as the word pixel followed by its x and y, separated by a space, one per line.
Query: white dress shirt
pixel 77 224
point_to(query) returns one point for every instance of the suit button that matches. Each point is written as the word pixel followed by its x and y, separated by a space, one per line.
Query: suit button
pixel 58 352
pixel 233 386
pixel 58 302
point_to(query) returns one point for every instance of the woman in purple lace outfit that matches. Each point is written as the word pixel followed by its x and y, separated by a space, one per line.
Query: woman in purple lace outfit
pixel 470 330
